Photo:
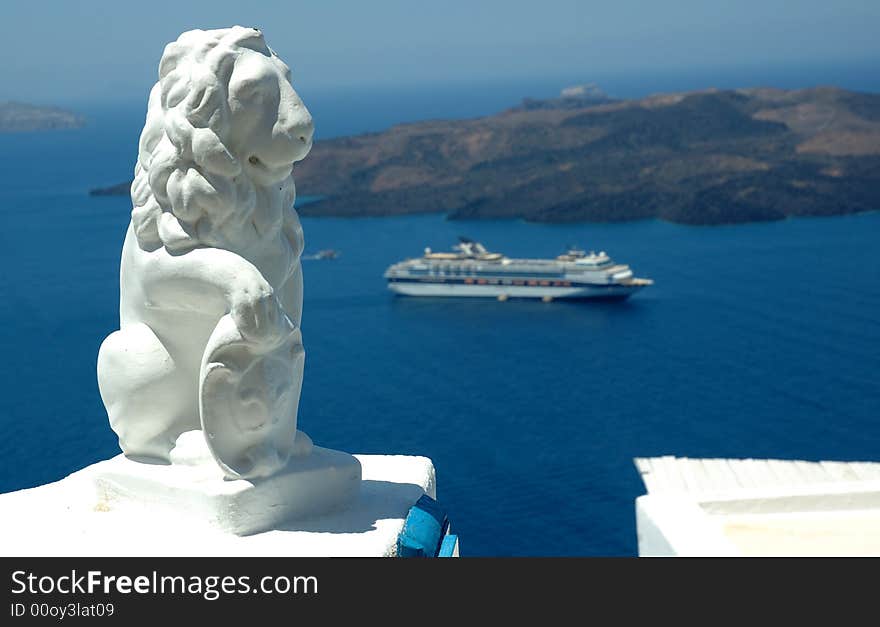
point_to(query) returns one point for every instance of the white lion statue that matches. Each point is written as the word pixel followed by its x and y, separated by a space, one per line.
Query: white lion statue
pixel 211 285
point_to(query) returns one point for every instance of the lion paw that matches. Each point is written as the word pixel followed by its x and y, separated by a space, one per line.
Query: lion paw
pixel 261 319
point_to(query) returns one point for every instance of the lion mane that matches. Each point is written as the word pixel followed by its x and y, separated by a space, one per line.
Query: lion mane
pixel 190 188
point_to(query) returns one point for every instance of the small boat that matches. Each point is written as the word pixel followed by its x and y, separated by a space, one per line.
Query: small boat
pixel 327 253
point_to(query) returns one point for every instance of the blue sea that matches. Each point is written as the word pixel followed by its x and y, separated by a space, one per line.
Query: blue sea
pixel 760 340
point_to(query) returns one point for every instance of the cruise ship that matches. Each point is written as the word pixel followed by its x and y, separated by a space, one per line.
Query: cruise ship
pixel 471 270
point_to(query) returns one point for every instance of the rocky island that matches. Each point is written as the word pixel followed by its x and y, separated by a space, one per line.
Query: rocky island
pixel 17 116
pixel 704 157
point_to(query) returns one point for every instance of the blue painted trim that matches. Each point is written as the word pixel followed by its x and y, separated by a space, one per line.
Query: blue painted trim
pixel 423 530
pixel 447 547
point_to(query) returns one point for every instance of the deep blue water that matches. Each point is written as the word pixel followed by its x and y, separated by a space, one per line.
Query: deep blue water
pixel 760 340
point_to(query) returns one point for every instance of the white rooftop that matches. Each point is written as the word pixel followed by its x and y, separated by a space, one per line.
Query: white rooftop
pixel 758 507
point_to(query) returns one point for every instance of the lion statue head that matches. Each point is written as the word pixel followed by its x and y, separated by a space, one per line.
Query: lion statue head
pixel 224 127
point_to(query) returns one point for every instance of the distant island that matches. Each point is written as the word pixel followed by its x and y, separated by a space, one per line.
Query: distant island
pixel 705 157
pixel 18 116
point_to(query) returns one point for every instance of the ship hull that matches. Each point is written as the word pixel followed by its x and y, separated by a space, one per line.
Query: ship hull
pixel 614 291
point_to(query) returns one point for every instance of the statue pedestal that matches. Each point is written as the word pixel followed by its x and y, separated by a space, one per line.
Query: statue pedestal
pixel 99 512
pixel 316 483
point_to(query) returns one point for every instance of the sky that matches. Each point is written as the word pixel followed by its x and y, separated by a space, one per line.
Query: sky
pixel 100 50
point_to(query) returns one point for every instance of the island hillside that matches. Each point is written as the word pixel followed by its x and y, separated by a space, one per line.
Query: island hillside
pixel 706 157
pixel 17 116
